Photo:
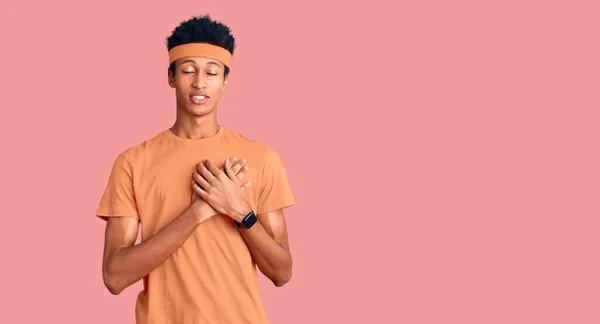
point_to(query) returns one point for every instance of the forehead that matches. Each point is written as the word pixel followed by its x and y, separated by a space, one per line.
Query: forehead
pixel 199 61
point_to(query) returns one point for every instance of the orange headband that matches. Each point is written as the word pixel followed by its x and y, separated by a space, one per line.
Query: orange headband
pixel 200 49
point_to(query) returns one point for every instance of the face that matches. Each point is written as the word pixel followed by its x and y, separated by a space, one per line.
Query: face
pixel 198 83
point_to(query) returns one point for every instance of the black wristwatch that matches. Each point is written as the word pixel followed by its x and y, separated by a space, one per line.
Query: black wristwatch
pixel 248 221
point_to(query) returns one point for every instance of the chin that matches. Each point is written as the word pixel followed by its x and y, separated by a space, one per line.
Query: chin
pixel 199 110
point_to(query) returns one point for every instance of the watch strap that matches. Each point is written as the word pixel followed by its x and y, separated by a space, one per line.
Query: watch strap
pixel 248 221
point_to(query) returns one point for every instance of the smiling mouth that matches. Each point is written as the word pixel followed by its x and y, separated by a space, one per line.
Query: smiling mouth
pixel 199 99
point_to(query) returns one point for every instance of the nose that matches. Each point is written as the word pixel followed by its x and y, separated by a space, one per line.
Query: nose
pixel 199 81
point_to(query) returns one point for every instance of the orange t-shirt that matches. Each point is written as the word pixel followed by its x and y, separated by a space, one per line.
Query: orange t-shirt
pixel 212 278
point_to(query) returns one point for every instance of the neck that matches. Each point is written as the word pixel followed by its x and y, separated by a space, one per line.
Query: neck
pixel 195 127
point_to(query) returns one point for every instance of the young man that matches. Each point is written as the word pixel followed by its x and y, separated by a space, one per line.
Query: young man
pixel 209 201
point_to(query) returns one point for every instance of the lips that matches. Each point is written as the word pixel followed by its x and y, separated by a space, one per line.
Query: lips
pixel 199 98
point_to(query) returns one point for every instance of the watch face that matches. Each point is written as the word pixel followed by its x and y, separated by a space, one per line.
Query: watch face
pixel 250 220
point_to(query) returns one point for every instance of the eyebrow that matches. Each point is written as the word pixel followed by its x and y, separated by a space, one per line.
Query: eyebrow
pixel 192 61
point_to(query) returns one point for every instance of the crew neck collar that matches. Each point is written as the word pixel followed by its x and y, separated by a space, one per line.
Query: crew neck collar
pixel 210 138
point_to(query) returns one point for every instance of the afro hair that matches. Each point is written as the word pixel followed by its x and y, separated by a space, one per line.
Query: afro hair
pixel 201 30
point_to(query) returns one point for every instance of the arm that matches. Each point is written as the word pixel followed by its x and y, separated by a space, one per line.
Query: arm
pixel 267 239
pixel 268 243
pixel 125 263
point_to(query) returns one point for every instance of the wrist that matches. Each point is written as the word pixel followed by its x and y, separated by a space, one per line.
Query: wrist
pixel 198 211
pixel 248 221
pixel 241 212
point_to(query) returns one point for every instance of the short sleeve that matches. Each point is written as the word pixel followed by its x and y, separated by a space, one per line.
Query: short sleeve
pixel 274 192
pixel 118 198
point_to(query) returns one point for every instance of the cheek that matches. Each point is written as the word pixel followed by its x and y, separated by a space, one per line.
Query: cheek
pixel 178 84
pixel 216 83
pixel 180 91
pixel 182 86
pixel 216 87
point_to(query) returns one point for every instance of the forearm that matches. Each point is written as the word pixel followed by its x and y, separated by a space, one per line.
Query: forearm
pixel 273 259
pixel 128 265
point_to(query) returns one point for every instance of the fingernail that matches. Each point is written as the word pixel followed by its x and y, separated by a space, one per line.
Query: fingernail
pixel 243 160
pixel 234 159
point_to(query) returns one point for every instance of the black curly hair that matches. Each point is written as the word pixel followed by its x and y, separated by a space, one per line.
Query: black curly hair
pixel 201 30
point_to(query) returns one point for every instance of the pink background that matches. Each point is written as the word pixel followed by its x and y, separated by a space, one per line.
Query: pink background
pixel 444 155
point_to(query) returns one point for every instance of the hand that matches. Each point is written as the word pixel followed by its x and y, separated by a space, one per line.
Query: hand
pixel 203 209
pixel 222 189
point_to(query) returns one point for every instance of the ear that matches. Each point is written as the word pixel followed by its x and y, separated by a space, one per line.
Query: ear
pixel 224 84
pixel 170 78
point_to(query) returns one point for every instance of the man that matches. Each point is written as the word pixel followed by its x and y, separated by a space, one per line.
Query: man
pixel 209 201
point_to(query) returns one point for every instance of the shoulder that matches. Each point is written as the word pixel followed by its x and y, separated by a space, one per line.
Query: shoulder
pixel 136 152
pixel 257 147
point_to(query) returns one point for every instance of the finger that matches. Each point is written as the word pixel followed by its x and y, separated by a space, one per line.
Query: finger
pixel 242 172
pixel 198 190
pixel 205 173
pixel 200 181
pixel 229 170
pixel 216 173
pixel 236 165
pixel 245 186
